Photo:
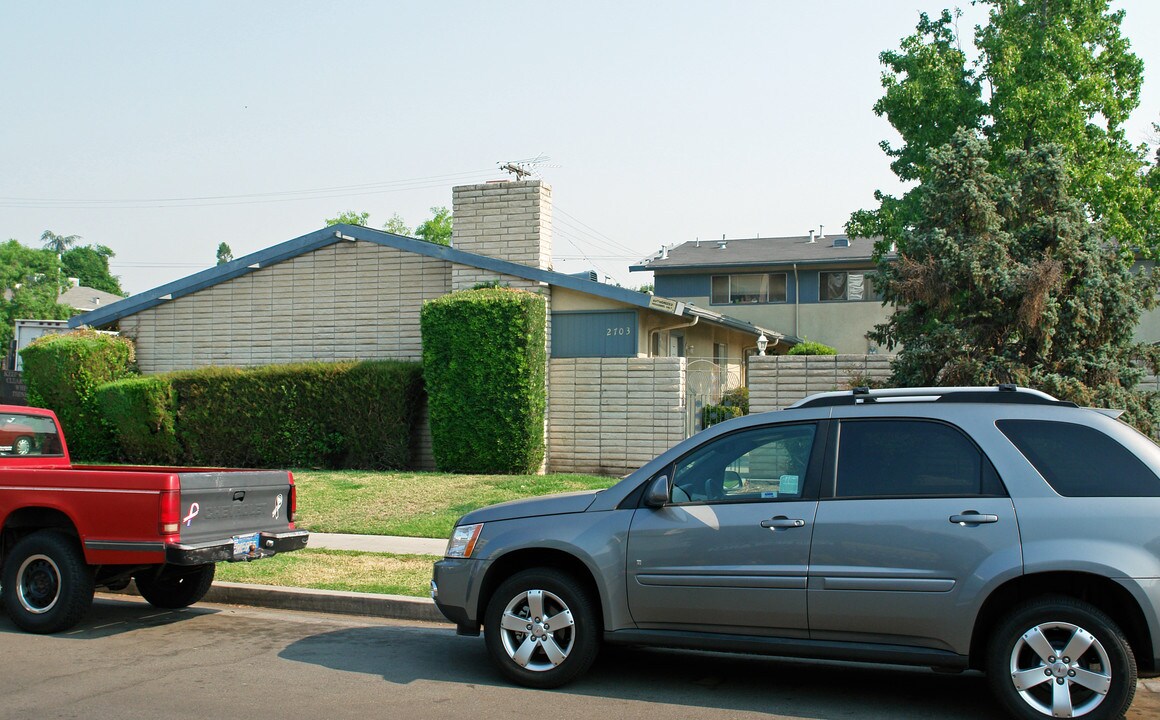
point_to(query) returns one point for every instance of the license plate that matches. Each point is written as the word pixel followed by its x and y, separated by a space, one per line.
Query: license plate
pixel 246 545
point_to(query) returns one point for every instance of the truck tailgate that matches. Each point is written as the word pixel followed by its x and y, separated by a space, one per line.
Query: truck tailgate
pixel 237 506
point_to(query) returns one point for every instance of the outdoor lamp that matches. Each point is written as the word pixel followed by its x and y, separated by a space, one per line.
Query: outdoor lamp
pixel 762 343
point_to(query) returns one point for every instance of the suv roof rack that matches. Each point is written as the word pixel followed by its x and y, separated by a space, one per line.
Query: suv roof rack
pixel 1007 393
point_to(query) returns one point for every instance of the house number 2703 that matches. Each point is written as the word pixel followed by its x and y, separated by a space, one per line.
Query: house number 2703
pixel 619 331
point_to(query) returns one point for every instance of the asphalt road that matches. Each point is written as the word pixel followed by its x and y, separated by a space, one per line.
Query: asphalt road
pixel 127 660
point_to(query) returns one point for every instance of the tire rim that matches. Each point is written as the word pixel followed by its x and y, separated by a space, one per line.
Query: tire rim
pixel 23 446
pixel 537 630
pixel 1061 670
pixel 38 584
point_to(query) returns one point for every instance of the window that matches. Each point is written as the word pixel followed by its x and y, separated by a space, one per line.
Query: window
pixel 28 435
pixel 842 286
pixel 766 463
pixel 1079 461
pixel 910 458
pixel 748 289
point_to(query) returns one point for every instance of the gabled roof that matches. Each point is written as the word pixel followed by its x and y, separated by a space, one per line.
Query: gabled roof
pixel 350 233
pixel 752 252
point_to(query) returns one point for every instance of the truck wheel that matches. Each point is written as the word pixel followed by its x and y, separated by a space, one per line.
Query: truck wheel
pixel 1061 657
pixel 540 628
pixel 22 445
pixel 174 590
pixel 47 585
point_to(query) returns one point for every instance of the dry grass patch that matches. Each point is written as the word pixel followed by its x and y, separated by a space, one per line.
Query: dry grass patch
pixel 337 570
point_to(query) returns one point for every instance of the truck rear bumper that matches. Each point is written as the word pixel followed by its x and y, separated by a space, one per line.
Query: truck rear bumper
pixel 267 544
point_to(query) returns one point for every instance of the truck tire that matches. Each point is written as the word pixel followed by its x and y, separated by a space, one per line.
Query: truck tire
pixel 1058 656
pixel 541 628
pixel 47 585
pixel 173 589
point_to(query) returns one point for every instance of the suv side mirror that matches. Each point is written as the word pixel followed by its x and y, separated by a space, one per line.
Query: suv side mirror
pixel 657 494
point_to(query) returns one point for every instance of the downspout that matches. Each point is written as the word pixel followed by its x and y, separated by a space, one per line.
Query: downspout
pixel 696 318
pixel 797 292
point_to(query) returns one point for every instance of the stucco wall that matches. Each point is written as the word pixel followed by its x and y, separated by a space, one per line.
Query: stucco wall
pixel 609 416
pixel 343 302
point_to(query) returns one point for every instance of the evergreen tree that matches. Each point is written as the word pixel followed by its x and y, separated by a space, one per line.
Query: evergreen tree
pixel 1004 278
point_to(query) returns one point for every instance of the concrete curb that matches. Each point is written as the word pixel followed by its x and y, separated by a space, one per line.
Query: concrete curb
pixel 396 607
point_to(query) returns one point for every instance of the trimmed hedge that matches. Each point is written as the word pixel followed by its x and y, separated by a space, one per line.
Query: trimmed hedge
pixel 142 413
pixel 484 362
pixel 63 372
pixel 334 415
pixel 355 415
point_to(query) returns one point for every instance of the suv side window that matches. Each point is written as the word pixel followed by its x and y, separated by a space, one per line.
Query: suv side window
pixel 767 463
pixel 1079 461
pixel 910 458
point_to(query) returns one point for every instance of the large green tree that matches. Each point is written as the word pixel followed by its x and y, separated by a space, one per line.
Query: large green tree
pixel 90 265
pixel 1003 278
pixel 1049 71
pixel 30 282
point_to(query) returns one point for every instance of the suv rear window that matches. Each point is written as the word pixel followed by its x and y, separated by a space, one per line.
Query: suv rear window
pixel 1079 461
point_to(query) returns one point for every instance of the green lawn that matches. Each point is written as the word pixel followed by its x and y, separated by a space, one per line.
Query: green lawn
pixel 414 504
pixel 336 570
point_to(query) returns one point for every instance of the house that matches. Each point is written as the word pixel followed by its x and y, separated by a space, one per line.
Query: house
pixel 348 292
pixel 817 287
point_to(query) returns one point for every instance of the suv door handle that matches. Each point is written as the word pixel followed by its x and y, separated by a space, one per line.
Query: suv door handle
pixel 782 522
pixel 972 517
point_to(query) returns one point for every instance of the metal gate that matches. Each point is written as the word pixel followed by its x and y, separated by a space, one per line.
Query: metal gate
pixel 706 382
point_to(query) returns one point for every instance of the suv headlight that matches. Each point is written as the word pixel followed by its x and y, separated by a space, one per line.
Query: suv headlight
pixel 462 542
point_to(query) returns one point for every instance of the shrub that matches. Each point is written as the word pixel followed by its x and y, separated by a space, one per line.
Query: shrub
pixel 142 413
pixel 335 415
pixel 486 396
pixel 713 414
pixel 63 373
pixel 738 397
pixel 809 347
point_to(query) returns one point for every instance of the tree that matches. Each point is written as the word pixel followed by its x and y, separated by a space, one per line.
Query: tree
pixel 30 283
pixel 1003 278
pixel 1054 71
pixel 349 217
pixel 438 229
pixel 397 226
pixel 224 253
pixel 89 264
pixel 58 243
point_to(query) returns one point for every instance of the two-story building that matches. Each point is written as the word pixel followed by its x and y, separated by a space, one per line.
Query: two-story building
pixel 815 287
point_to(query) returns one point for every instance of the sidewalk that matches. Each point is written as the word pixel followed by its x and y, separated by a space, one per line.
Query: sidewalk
pixel 378 543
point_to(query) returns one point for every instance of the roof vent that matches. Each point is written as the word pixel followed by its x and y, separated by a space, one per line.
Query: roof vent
pixel 821 232
pixel 811 237
pixel 840 241
pixel 721 244
pixel 664 252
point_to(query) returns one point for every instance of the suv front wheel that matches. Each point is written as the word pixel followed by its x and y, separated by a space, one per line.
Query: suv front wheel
pixel 541 628
pixel 1058 657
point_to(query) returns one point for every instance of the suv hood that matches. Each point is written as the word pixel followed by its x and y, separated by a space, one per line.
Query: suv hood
pixel 561 504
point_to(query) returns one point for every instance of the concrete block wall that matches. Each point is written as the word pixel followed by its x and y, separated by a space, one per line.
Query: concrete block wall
pixel 507 220
pixel 609 416
pixel 346 301
pixel 778 381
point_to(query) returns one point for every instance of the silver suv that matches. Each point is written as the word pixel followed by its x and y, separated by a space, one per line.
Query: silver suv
pixel 996 529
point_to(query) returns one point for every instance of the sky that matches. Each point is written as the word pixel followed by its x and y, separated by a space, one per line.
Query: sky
pixel 162 129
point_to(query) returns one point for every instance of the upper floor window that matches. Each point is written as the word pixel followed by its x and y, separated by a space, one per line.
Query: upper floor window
pixel 842 286
pixel 749 289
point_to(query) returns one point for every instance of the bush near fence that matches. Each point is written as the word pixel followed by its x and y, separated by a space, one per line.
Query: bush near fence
pixel 63 373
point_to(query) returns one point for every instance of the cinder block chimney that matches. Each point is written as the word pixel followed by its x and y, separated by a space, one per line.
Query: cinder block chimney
pixel 507 220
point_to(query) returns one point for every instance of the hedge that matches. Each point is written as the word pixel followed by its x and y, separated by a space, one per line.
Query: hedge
pixel 484 362
pixel 63 372
pixel 809 347
pixel 142 414
pixel 335 415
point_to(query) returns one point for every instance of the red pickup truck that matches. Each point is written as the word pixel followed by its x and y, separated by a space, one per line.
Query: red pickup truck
pixel 67 529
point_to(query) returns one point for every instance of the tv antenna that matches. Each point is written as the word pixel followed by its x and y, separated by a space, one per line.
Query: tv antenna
pixel 526 167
